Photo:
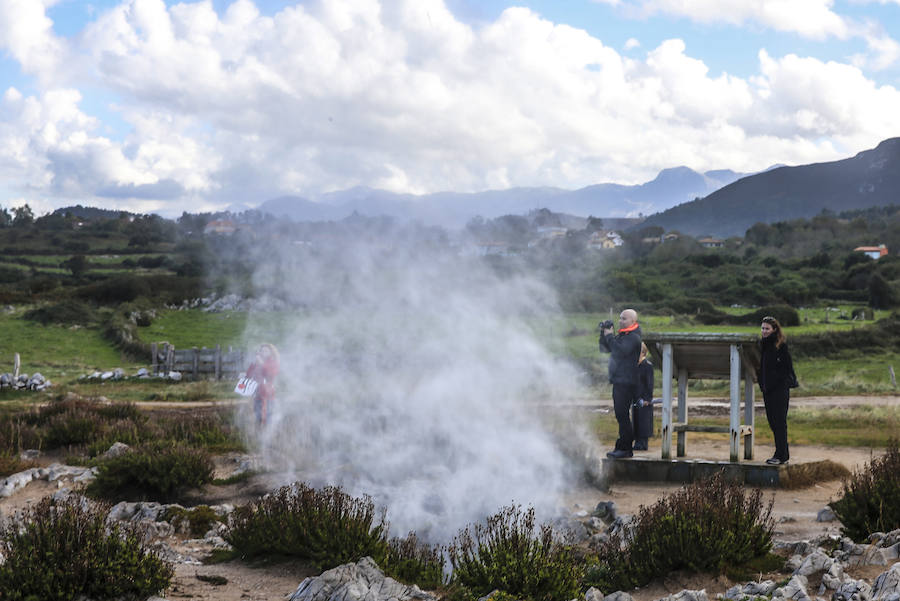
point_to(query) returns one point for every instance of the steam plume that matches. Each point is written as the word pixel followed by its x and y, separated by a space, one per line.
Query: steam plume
pixel 411 374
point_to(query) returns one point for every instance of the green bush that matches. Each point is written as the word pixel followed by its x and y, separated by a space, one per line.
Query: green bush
pixel 869 497
pixel 67 312
pixel 65 550
pixel 508 554
pixel 707 526
pixel 158 471
pixel 329 527
pixel 199 519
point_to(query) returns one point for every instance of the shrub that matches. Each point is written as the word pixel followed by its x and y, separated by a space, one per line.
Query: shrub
pixel 508 554
pixel 198 520
pixel 65 550
pixel 328 527
pixel 707 526
pixel 159 471
pixel 115 290
pixel 868 501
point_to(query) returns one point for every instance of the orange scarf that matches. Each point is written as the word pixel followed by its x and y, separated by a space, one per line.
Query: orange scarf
pixel 630 328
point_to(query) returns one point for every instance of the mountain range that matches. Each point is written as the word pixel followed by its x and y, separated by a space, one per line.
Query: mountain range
pixel 454 209
pixel 719 203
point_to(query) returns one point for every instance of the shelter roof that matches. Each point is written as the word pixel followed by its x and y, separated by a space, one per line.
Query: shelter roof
pixel 705 355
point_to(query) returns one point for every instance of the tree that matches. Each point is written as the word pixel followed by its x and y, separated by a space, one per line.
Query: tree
pixel 594 224
pixel 77 264
pixel 881 294
pixel 22 216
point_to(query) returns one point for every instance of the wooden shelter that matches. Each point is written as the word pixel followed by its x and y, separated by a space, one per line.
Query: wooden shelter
pixel 706 355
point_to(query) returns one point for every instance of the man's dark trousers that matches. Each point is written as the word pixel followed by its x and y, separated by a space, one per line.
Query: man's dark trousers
pixel 623 397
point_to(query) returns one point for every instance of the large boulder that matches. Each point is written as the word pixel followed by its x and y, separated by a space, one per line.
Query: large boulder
pixel 360 581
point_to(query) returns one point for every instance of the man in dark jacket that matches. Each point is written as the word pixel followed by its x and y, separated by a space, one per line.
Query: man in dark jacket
pixel 624 349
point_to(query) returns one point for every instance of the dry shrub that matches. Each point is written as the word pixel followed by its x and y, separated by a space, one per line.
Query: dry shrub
pixel 804 475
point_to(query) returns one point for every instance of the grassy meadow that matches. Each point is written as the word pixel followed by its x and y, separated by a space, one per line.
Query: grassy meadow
pixel 63 353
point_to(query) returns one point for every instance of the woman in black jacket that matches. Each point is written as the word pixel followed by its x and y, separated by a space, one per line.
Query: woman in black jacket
pixel 775 376
pixel 642 412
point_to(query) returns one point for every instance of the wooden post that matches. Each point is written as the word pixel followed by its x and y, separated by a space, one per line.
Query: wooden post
pixel 170 358
pixel 735 416
pixel 195 360
pixel 682 410
pixel 153 358
pixel 667 401
pixel 749 415
pixel 218 362
pixel 893 376
pixel 17 362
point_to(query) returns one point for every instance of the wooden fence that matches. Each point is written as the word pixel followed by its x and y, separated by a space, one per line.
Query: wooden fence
pixel 197 363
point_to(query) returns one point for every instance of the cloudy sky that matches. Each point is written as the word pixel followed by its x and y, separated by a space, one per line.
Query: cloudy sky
pixel 151 105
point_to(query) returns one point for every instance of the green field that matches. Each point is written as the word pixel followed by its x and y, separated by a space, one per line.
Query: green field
pixel 63 353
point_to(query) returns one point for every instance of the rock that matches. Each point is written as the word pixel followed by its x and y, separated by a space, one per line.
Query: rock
pixel 618 596
pixel 826 514
pixel 29 454
pixel 853 590
pixel 794 589
pixel 117 449
pixel 606 511
pixel 687 595
pixel 812 564
pixel 887 585
pixel 358 581
pixel 570 529
pixel 14 482
pixel 593 594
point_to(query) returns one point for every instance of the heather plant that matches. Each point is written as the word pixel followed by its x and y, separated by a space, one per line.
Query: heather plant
pixel 65 550
pixel 869 497
pixel 159 471
pixel 328 527
pixel 196 520
pixel 508 553
pixel 707 526
pixel 81 425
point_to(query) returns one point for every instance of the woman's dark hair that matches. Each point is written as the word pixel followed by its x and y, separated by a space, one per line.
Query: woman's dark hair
pixel 777 331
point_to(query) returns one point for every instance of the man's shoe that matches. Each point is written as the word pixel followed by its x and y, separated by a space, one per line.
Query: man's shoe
pixel 619 454
pixel 775 461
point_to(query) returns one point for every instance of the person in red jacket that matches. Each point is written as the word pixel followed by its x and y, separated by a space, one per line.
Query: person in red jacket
pixel 264 370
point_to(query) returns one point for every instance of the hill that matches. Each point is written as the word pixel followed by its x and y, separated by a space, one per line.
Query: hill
pixel 869 179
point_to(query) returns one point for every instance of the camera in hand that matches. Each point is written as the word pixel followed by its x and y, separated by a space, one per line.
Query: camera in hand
pixel 605 325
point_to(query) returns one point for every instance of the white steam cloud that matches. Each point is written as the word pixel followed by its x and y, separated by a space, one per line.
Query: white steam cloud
pixel 414 375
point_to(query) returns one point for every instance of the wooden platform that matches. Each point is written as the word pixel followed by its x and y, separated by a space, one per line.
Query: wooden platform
pixel 647 469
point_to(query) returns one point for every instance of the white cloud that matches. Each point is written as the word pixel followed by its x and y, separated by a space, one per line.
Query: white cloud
pixel 328 95
pixel 27 34
pixel 809 18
